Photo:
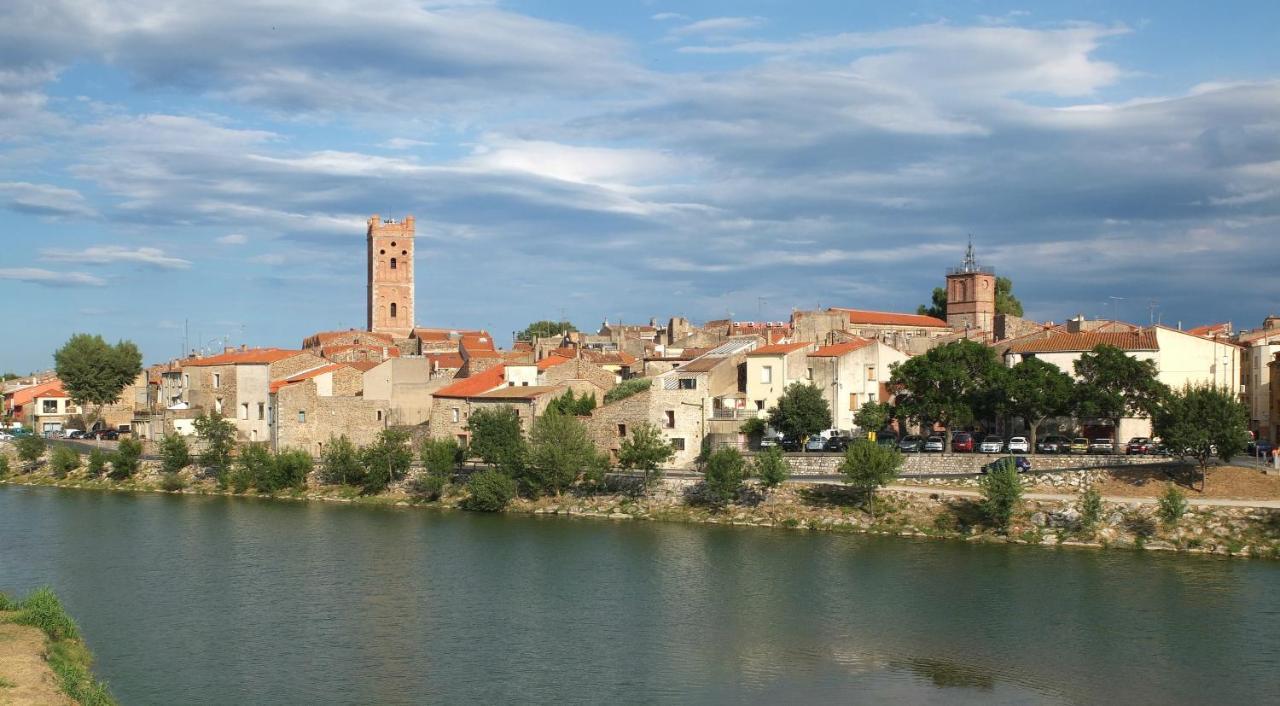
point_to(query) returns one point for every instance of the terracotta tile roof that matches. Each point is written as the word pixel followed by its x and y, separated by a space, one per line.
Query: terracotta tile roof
pixel 476 384
pixel 887 318
pixel 427 333
pixel 324 337
pixel 518 392
pixel 448 361
pixel 1143 340
pixel 363 366
pixel 476 342
pixel 52 388
pixel 391 350
pixel 552 361
pixel 1222 329
pixel 483 354
pixel 253 356
pixel 839 349
pixel 306 375
pixel 779 348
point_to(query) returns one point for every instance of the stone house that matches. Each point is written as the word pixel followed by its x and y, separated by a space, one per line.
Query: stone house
pixel 850 375
pixel 771 368
pixel 311 408
pixel 1258 351
pixel 237 384
pixel 405 386
pixel 450 408
pixel 910 333
pixel 528 402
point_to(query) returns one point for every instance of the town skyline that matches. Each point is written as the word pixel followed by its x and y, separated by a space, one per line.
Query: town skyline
pixel 642 162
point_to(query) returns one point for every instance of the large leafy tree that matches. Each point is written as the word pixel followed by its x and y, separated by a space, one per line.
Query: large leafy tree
pixel 94 372
pixel 800 411
pixel 497 438
pixel 387 460
pixel 569 404
pixel 1035 390
pixel 561 452
pixel 1201 422
pixel 723 476
pixel 218 438
pixel 937 307
pixel 545 328
pixel 645 450
pixel 946 384
pixel 1006 303
pixel 1112 385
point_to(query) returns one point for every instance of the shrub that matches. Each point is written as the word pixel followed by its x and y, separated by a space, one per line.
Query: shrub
pixel 43 610
pixel 172 482
pixel 256 467
pixel 868 466
pixel 174 454
pixel 4 465
pixel 126 459
pixel 1173 505
pixel 1090 508
pixel 498 439
pixel 219 438
pixel 427 486
pixel 753 427
pixel 387 460
pixel 645 450
pixel 30 448
pixel 290 469
pixel 63 460
pixel 560 452
pixel 1001 492
pixel 340 463
pixel 97 463
pixel 441 456
pixel 723 476
pixel 627 388
pixel 490 491
pixel 771 467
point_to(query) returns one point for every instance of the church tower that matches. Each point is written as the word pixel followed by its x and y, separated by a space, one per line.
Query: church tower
pixel 391 276
pixel 971 295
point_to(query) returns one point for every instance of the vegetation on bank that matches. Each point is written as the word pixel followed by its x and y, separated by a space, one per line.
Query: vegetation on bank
pixel 65 652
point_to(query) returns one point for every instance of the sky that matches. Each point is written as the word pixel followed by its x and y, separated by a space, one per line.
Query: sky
pixel 204 173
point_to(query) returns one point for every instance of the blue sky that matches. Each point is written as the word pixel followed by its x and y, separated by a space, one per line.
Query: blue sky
pixel 214 164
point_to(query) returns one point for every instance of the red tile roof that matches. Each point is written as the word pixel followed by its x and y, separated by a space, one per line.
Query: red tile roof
pixel 476 384
pixel 476 342
pixel 253 356
pixel 552 361
pixel 52 388
pixel 306 375
pixel 1222 329
pixel 1142 340
pixel 887 318
pixel 779 348
pixel 427 333
pixel 363 366
pixel 448 361
pixel 839 349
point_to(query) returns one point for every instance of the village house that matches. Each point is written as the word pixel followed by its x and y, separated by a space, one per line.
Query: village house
pixel 771 368
pixel 850 375
pixel 309 409
pixel 405 387
pixel 237 384
pixel 1258 350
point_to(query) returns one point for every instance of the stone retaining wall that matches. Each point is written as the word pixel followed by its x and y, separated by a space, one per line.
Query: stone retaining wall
pixel 816 464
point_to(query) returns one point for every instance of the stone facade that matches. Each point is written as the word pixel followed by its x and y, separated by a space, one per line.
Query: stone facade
pixel 239 389
pixel 307 419
pixel 406 386
pixel 391 283
pixel 681 416
pixel 580 376
pixel 817 464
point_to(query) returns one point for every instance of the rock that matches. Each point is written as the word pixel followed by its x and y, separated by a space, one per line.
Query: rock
pixel 1038 519
pixel 1115 518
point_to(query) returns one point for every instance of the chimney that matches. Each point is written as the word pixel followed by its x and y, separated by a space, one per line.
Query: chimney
pixel 229 349
pixel 244 347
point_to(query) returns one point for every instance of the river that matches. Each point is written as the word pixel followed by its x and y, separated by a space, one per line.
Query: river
pixel 242 601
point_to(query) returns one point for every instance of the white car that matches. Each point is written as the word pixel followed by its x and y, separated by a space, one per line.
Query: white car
pixel 934 443
pixel 1019 444
pixel 991 445
pixel 6 436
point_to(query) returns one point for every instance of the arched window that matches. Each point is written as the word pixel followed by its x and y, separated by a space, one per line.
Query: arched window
pixel 393 310
pixel 393 263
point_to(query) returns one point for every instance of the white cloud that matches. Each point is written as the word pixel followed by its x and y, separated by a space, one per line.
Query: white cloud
pixel 50 278
pixel 232 239
pixel 715 27
pixel 111 254
pixel 668 16
pixel 44 199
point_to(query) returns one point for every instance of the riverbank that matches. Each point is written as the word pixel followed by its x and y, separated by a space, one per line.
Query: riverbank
pixel 941 511
pixel 42 658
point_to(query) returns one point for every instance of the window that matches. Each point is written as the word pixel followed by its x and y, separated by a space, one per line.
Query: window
pixel 677 444
pixel 49 406
pixel 262 409
pixel 809 373
pixel 393 310
pixel 379 415
pixel 622 430
pixel 302 416
pixel 687 384
pixel 186 380
pixel 759 404
pixel 217 405
pixel 244 410
pixel 670 419
pixel 217 380
pixel 462 440
pixel 393 263
pixel 871 373
pixel 853 401
pixel 455 414
pixel 766 375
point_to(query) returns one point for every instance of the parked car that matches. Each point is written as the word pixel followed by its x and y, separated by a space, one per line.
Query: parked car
pixel 75 434
pixel 105 434
pixel 815 443
pixel 911 443
pixel 1102 446
pixel 991 445
pixel 6 436
pixel 770 439
pixel 791 443
pixel 1053 445
pixel 934 443
pixel 1139 445
pixel 1019 444
pixel 887 441
pixel 1078 445
pixel 1024 466
pixel 836 443
pixel 1260 448
pixel 962 442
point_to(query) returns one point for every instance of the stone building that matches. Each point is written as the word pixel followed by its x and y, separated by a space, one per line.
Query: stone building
pixel 1258 351
pixel 391 284
pixel 770 369
pixel 450 408
pixel 237 384
pixel 405 386
pixel 971 295
pixel 850 375
pixel 314 407
pixel 528 402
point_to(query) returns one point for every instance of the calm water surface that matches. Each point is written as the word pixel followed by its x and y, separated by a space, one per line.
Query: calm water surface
pixel 234 601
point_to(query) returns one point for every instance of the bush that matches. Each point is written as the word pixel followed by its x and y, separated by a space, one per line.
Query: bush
pixel 174 454
pixel 97 463
pixel 723 476
pixel 43 610
pixel 1090 508
pixel 340 463
pixel 441 456
pixel 219 438
pixel 868 466
pixel 30 448
pixel 387 460
pixel 560 451
pixel 1001 491
pixel 1173 505
pixel 498 439
pixel 4 465
pixel 645 450
pixel 291 469
pixel 490 491
pixel 126 459
pixel 771 467
pixel 627 388
pixel 172 482
pixel 427 486
pixel 268 473
pixel 63 460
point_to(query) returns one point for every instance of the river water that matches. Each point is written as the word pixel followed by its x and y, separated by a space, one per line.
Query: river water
pixel 239 601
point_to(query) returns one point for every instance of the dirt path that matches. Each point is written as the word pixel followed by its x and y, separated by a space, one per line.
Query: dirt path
pixel 1207 502
pixel 25 678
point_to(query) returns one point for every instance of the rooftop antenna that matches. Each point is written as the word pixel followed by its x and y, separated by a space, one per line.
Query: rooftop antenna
pixel 970 261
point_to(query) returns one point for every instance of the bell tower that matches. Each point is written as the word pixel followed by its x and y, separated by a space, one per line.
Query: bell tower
pixel 391 276
pixel 971 295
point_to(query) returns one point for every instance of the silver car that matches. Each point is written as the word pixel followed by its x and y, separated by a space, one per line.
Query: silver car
pixel 934 443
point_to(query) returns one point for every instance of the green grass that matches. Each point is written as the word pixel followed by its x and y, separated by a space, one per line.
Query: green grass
pixel 6 684
pixel 67 655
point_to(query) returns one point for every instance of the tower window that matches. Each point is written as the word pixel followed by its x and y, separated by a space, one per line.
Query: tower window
pixel 393 263
pixel 382 252
pixel 393 243
pixel 404 252
pixel 393 310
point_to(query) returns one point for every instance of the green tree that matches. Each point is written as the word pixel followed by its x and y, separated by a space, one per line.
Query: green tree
pixel 771 467
pixel 95 373
pixel 545 328
pixel 387 460
pixel 560 453
pixel 340 463
pixel 440 456
pixel 291 468
pixel 1112 385
pixel 645 450
pixel 63 460
pixel 497 438
pixel 1172 506
pixel 126 460
pixel 627 388
pixel 1201 422
pixel 426 486
pixel 937 307
pixel 174 453
pixel 868 466
pixel 1090 508
pixel 255 467
pixel 873 416
pixel 30 449
pixel 723 475
pixel 1035 391
pixel 1001 492
pixel 945 384
pixel 571 405
pixel 800 411
pixel 97 463
pixel 489 491
pixel 218 437
pixel 4 465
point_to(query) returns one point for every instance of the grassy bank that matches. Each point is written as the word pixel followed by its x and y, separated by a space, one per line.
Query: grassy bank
pixel 63 651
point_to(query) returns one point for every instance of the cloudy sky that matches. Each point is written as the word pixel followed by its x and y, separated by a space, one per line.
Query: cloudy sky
pixel 214 164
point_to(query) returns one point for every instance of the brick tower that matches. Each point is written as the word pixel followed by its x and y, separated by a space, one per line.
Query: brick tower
pixel 971 295
pixel 391 276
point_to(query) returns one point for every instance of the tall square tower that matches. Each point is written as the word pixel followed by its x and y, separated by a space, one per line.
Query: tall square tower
pixel 391 276
pixel 971 295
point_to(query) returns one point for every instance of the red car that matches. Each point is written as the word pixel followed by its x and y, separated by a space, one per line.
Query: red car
pixel 962 442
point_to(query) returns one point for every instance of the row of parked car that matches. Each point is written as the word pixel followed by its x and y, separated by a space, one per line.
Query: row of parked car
pixel 19 432
pixel 832 440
